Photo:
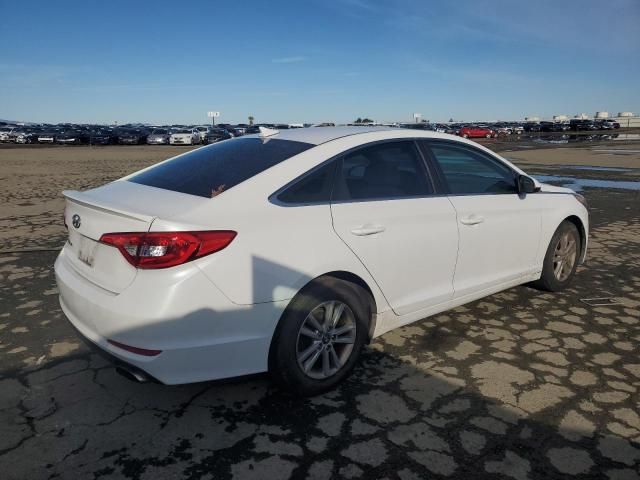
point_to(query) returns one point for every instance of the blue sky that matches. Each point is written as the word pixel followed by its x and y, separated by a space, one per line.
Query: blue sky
pixel 316 60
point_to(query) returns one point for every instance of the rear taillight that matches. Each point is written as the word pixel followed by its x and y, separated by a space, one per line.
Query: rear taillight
pixel 167 249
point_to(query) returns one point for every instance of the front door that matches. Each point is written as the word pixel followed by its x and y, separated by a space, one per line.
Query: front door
pixel 499 229
pixel 384 209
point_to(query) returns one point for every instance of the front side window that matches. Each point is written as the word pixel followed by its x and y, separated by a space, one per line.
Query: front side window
pixel 209 171
pixel 468 171
pixel 382 171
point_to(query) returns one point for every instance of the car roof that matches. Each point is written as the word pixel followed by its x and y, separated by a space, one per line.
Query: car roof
pixel 318 135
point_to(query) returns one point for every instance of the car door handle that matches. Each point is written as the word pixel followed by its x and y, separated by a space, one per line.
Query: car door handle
pixel 367 230
pixel 472 220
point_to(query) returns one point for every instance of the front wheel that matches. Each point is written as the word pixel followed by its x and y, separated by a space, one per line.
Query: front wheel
pixel 561 259
pixel 320 336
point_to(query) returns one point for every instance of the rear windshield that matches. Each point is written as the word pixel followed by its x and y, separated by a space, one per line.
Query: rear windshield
pixel 209 171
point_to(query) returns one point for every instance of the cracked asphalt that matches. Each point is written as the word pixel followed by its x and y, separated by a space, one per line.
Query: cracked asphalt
pixel 522 384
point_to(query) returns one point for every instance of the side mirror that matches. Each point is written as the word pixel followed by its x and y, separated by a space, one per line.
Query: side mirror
pixel 526 185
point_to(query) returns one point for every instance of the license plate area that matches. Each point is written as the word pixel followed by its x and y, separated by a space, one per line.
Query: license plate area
pixel 83 248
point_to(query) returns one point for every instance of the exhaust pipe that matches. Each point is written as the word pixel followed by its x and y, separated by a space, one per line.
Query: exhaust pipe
pixel 132 374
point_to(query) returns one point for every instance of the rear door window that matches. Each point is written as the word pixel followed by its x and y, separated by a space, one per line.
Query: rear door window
pixel 209 171
pixel 382 171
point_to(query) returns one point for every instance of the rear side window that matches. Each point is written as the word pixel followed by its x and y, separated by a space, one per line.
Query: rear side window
pixel 209 171
pixel 312 188
pixel 382 171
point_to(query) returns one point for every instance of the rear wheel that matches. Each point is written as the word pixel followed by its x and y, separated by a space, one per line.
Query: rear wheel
pixel 320 336
pixel 561 259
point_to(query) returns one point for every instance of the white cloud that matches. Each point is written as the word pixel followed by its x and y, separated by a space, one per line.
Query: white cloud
pixel 296 59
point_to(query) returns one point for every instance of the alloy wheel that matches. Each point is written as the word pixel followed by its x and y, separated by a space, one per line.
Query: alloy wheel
pixel 326 339
pixel 564 256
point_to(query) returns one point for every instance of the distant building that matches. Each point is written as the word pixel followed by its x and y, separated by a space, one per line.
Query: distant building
pixel 560 118
pixel 627 120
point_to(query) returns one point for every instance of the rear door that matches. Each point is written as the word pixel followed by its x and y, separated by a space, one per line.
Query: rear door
pixel 499 230
pixel 384 209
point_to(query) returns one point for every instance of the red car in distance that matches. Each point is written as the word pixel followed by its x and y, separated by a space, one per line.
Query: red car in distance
pixel 474 131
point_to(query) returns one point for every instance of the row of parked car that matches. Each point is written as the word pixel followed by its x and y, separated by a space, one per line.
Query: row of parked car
pixel 206 134
pixel 494 130
pixel 124 135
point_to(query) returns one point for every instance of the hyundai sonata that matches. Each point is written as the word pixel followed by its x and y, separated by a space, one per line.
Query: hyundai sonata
pixel 287 251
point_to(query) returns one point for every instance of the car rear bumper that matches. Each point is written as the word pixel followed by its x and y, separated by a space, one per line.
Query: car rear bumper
pixel 201 334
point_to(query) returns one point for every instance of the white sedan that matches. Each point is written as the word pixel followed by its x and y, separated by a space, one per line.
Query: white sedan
pixel 288 251
pixel 185 136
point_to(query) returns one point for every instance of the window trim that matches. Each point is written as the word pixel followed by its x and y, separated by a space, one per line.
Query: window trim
pixel 444 185
pixel 427 172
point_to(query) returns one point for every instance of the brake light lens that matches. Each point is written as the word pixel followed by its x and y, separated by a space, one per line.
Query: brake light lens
pixel 167 249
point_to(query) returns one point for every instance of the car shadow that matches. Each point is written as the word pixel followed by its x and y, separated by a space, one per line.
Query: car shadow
pixel 485 391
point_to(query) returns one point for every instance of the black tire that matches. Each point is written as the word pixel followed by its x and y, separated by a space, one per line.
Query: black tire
pixel 549 279
pixel 283 360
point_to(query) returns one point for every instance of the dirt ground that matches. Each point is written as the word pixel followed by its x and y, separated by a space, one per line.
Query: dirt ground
pixel 523 384
pixel 32 180
pixel 617 156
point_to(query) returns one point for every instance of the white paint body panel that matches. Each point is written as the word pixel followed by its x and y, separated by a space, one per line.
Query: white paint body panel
pixel 214 317
pixel 502 246
pixel 420 240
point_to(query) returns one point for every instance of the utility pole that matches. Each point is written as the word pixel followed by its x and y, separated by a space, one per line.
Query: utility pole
pixel 213 116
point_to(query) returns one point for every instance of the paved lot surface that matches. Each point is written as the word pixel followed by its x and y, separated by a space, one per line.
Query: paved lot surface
pixel 522 384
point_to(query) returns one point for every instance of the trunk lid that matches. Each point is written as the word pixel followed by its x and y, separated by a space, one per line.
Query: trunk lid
pixel 120 206
pixel 87 219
